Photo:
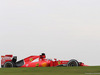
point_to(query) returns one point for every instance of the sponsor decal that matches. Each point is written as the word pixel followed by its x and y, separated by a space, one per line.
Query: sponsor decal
pixel 26 65
pixel 37 65
pixel 59 62
pixel 6 58
pixel 64 62
pixel 31 59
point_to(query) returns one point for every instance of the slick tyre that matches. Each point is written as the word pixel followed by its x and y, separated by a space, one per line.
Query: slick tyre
pixel 72 63
pixel 8 65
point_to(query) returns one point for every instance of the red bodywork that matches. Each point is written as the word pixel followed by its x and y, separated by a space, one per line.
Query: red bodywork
pixel 35 61
pixel 6 58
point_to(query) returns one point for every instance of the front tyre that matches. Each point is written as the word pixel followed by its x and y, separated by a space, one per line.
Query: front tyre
pixel 8 65
pixel 72 63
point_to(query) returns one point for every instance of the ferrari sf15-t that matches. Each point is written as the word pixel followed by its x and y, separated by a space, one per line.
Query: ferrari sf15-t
pixel 37 61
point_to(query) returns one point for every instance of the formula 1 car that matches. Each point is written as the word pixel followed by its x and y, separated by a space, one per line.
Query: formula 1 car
pixel 36 61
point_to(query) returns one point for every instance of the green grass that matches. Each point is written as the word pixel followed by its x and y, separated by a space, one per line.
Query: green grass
pixel 51 71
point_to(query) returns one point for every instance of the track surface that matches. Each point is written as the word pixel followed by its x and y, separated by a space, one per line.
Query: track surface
pixel 95 70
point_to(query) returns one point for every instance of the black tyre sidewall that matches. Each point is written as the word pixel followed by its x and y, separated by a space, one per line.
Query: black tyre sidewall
pixel 11 63
pixel 71 61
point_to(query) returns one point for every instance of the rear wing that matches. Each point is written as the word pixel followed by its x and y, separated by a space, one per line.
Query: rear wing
pixel 6 58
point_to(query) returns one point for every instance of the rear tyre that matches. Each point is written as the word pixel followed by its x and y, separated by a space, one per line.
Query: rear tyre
pixel 72 63
pixel 8 64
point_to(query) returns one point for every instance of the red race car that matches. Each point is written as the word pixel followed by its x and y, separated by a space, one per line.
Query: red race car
pixel 36 61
